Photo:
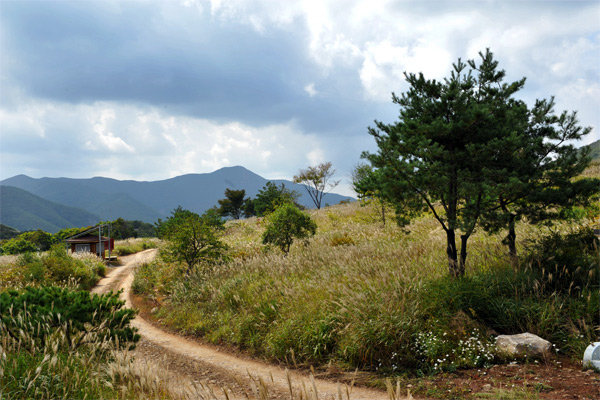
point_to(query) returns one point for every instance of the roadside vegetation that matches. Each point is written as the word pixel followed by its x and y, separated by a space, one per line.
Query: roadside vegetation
pixel 130 246
pixel 52 267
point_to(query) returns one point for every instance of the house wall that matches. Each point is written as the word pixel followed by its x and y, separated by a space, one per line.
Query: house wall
pixel 93 247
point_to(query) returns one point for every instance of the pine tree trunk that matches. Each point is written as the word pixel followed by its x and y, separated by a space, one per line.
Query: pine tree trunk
pixel 511 241
pixel 463 255
pixel 452 253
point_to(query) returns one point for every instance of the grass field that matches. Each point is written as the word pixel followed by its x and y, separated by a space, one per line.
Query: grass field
pixel 363 295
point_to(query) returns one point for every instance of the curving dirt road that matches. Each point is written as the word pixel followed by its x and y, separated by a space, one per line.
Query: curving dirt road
pixel 192 362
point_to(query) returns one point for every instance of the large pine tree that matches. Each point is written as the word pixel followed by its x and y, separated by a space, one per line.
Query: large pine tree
pixel 458 149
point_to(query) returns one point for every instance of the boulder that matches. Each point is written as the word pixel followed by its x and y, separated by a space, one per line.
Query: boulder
pixel 523 345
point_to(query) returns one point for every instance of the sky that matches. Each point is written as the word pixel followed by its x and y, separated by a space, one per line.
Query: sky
pixel 149 90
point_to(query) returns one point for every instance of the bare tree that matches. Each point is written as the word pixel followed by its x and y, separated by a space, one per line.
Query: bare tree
pixel 317 181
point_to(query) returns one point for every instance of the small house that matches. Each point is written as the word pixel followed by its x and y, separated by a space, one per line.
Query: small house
pixel 91 243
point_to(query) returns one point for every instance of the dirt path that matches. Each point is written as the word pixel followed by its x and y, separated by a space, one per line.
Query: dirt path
pixel 204 364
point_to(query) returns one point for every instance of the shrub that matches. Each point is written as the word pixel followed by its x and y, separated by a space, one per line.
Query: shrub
pixel 61 267
pixel 52 306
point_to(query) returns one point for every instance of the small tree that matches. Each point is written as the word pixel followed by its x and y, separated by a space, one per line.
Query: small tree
pixel 233 204
pixel 191 238
pixel 272 196
pixel 287 223
pixel 317 181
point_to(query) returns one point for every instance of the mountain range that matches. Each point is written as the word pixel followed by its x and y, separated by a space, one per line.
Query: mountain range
pixel 38 202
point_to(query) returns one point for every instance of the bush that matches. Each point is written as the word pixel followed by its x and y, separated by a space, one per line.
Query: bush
pixel 59 343
pixel 61 267
pixel 52 306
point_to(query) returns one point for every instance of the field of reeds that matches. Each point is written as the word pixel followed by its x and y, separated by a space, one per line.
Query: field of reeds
pixel 364 295
pixel 55 266
pixel 134 245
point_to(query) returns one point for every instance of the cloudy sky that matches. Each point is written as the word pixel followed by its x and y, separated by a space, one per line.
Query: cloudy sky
pixel 149 90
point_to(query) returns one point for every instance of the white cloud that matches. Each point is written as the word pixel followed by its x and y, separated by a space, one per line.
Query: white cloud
pixel 104 138
pixel 156 145
pixel 310 89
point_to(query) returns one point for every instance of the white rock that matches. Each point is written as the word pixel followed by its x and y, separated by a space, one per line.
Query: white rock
pixel 523 345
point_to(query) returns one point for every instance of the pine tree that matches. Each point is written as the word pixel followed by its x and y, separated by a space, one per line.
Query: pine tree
pixel 442 154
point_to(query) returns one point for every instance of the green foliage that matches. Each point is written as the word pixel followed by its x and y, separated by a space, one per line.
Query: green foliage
pixel 366 184
pixel 27 242
pixel 18 245
pixel 191 239
pixel 121 229
pixel 317 181
pixel 272 196
pixel 538 168
pixel 60 343
pixel 61 267
pixel 233 204
pixel 362 302
pixel 52 307
pixel 555 298
pixel 440 150
pixel 286 224
pixel 212 217
pixel 60 236
pixel 466 150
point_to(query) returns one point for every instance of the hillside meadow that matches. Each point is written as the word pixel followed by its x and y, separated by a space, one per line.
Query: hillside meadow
pixel 363 295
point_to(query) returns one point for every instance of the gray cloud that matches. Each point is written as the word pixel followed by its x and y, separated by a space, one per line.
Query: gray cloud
pixel 149 89
pixel 188 64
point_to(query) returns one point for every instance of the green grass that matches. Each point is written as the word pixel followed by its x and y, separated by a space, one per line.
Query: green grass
pixel 131 246
pixel 359 294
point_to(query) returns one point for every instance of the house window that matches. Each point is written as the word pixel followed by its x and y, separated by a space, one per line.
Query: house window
pixel 82 248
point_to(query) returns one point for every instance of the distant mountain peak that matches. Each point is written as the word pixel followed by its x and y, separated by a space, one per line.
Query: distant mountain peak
pixel 147 201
